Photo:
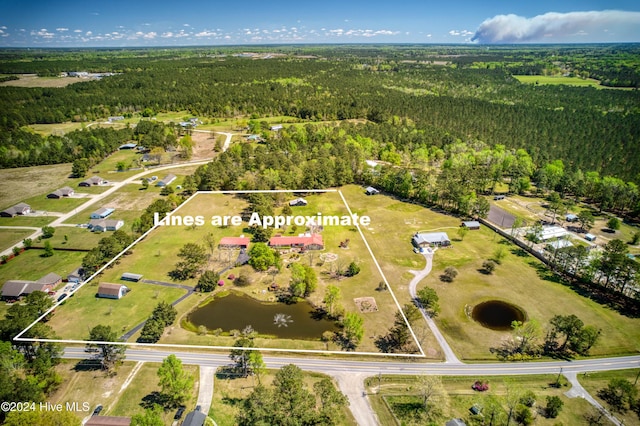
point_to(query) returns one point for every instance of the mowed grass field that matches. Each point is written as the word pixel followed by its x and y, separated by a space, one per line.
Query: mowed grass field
pixel 545 79
pixel 9 237
pixel 30 266
pixel 593 382
pixel 80 313
pixel 520 279
pixel 27 182
pixel 156 256
pixel 460 397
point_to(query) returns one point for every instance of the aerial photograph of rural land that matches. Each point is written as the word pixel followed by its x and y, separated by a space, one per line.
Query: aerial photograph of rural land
pixel 329 213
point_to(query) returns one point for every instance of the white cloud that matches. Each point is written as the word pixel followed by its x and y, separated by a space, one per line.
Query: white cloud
pixel 62 29
pixel 77 31
pixel 513 28
pixel 150 35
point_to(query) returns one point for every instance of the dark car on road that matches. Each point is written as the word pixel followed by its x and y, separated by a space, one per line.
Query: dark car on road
pixel 97 410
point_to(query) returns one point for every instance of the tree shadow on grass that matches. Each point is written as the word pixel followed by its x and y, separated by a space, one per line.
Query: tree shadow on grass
pixel 154 398
pixel 88 365
pixel 519 252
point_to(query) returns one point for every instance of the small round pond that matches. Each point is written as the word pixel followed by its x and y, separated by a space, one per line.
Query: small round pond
pixel 286 321
pixel 497 315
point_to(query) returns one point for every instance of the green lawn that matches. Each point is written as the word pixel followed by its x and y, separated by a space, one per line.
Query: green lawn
pixel 519 280
pixel 30 266
pixel 84 310
pixel 37 221
pixel 571 81
pixel 459 397
pixel 156 256
pixel 9 237
pixel 76 238
pixel 27 182
pixel 62 205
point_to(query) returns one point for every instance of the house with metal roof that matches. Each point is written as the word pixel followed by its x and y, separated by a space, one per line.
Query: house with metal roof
pixel 128 276
pixel 298 202
pixel 440 239
pixel 370 190
pixel 308 242
pixel 234 242
pixel 103 225
pixel 102 212
pixel 471 224
pixel 167 180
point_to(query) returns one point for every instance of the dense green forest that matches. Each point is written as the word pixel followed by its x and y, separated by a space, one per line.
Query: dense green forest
pixel 468 94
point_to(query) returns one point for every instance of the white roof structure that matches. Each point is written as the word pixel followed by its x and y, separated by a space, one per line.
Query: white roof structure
pixel 549 232
pixel 431 238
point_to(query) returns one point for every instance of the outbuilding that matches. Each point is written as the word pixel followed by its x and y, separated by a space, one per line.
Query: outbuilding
pixel 370 190
pixel 103 225
pixel 298 202
pixel 307 242
pixel 128 276
pixel 112 291
pixel 471 224
pixel 234 242
pixel 590 237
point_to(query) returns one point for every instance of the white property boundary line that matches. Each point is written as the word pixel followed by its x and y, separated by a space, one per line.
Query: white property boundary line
pixel 19 337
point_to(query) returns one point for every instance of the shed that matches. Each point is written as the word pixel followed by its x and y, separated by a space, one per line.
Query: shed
pixel 440 239
pixel 471 224
pixel 234 242
pixel 167 180
pixel 102 212
pixel 128 276
pixel 590 237
pixel 194 418
pixel 370 190
pixel 455 422
pixel 276 127
pixel 130 145
pixel 498 197
pixel 298 202
pixel 570 217
pixel 112 291
pixel 475 410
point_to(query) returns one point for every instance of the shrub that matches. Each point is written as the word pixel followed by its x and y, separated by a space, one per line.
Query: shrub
pixel 242 281
pixel 480 386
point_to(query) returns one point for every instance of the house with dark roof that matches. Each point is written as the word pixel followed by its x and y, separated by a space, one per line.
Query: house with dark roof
pixel 18 209
pixel 112 291
pixel 307 242
pixel 167 180
pixel 14 289
pixel 102 212
pixel 234 242
pixel 103 225
pixel 62 192
pixel 194 418
pixel 51 279
pixel 92 181
pixel 440 239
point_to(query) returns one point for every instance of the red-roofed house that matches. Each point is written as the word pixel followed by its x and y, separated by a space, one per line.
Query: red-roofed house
pixel 308 242
pixel 234 242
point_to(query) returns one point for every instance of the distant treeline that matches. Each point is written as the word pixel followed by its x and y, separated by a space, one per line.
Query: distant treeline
pixel 587 128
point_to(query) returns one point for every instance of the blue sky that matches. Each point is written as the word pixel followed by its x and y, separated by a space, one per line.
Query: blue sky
pixel 117 23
